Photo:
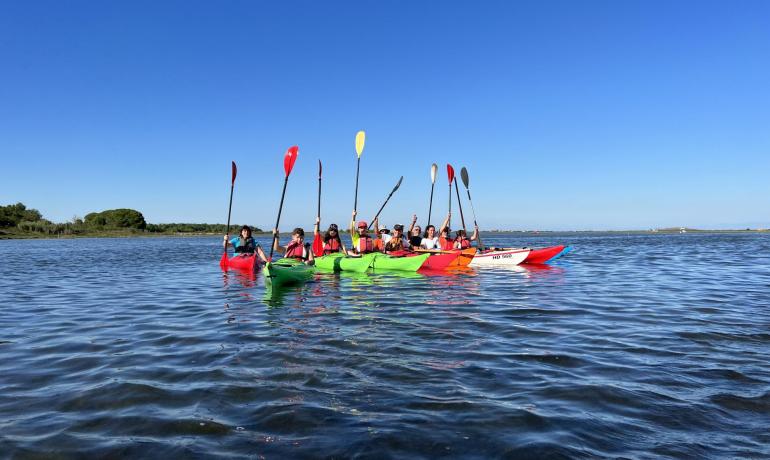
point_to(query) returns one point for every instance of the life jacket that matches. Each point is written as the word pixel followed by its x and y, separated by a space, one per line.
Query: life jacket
pixel 247 246
pixel 295 251
pixel 446 243
pixel 395 244
pixel 364 244
pixel 464 243
pixel 332 245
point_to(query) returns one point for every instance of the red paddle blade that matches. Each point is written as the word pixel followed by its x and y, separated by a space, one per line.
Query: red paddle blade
pixel 318 246
pixel 223 261
pixel 450 173
pixel 289 158
pixel 235 171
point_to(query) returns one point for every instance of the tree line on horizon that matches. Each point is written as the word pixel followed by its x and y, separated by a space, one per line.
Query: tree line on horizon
pixel 26 220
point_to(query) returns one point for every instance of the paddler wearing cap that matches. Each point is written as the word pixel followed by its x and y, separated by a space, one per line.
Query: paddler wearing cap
pixel 359 235
pixel 331 239
pixel 393 242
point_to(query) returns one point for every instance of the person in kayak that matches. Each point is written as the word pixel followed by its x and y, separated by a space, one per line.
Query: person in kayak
pixel 296 249
pixel 430 239
pixel 396 242
pixel 445 242
pixel 461 240
pixel 245 245
pixel 415 239
pixel 331 239
pixel 359 236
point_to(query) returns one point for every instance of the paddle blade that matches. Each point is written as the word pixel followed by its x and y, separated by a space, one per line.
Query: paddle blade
pixel 223 260
pixel 464 176
pixel 360 139
pixel 289 158
pixel 318 246
pixel 450 173
pixel 398 185
pixel 319 169
pixel 235 172
pixel 433 170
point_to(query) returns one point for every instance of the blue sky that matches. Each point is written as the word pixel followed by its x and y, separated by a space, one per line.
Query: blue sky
pixel 568 115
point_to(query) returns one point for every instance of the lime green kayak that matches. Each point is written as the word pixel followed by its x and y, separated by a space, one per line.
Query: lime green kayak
pixel 340 262
pixel 285 272
pixel 408 264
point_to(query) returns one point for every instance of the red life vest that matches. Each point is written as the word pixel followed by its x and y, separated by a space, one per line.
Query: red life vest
pixel 366 247
pixel 333 245
pixel 465 243
pixel 446 243
pixel 295 251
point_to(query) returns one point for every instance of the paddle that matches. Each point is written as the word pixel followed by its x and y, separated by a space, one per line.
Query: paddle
pixel 462 218
pixel 288 163
pixel 318 244
pixel 223 260
pixel 464 177
pixel 433 169
pixel 360 139
pixel 386 202
pixel 450 173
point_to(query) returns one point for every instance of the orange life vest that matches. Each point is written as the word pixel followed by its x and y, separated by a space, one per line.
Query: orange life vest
pixel 296 251
pixel 366 247
pixel 333 245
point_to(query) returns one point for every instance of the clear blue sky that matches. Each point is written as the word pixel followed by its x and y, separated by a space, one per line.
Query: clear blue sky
pixel 568 115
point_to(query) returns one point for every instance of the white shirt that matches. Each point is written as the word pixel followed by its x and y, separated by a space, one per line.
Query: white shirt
pixel 430 243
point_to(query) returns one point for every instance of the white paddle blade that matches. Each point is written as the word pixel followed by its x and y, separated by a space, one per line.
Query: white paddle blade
pixel 433 169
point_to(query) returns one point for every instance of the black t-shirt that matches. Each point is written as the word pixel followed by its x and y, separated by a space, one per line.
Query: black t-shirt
pixel 415 241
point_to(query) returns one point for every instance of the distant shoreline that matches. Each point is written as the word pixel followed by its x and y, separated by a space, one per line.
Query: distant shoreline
pixel 137 234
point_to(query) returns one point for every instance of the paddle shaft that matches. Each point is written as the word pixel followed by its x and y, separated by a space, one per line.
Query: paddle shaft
pixel 430 206
pixel 278 220
pixel 474 217
pixel 462 218
pixel 229 209
pixel 449 221
pixel 381 208
pixel 355 199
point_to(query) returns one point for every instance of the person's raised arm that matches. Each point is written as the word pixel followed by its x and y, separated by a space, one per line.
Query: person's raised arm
pixel 445 223
pixel 475 235
pixel 316 229
pixel 277 247
pixel 411 226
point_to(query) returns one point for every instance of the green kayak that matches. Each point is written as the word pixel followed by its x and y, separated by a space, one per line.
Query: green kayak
pixel 339 262
pixel 285 272
pixel 408 264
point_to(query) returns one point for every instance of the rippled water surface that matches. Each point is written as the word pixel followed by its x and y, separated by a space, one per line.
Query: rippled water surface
pixel 630 346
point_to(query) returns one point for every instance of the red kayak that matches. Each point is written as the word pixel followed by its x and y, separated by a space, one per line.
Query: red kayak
pixel 243 262
pixel 439 261
pixel 542 255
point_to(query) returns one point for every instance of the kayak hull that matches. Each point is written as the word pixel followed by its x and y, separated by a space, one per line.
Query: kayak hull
pixel 466 256
pixel 339 262
pixel 287 272
pixel 439 261
pixel 543 255
pixel 505 257
pixel 407 263
pixel 242 262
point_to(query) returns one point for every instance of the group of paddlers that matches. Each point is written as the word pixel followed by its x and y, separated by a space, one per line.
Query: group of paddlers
pixel 393 242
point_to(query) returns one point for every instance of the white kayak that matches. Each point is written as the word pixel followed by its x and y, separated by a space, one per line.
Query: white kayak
pixel 499 257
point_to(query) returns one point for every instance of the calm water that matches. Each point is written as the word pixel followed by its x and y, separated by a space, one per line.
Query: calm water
pixel 630 346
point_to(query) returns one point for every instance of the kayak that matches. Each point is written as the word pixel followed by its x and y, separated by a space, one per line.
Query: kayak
pixel 285 272
pixel 507 257
pixel 466 256
pixel 243 262
pixel 406 263
pixel 340 262
pixel 543 255
pixel 439 261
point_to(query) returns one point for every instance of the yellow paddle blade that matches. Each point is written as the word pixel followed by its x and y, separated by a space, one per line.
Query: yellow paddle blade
pixel 360 139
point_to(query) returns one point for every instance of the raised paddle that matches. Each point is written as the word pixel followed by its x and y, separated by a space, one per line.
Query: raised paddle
pixel 386 202
pixel 462 218
pixel 433 169
pixel 450 174
pixel 360 139
pixel 288 163
pixel 318 244
pixel 223 260
pixel 464 177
